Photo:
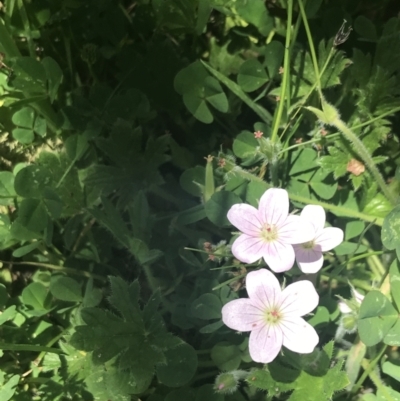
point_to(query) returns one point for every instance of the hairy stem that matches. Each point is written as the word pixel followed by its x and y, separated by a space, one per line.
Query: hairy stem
pixel 366 157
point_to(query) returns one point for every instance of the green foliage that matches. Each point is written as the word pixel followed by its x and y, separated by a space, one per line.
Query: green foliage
pixel 137 338
pixel 328 380
pixel 127 133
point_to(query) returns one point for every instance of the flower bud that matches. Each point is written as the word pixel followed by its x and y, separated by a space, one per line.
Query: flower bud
pixel 349 322
pixel 227 382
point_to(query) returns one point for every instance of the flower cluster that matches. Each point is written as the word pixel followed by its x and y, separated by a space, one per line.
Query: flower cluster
pixel 274 316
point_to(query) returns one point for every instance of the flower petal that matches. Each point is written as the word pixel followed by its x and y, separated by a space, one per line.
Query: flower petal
pixel 248 249
pixel 263 288
pixel 330 238
pixel 242 315
pixel 274 206
pixel 315 214
pixel 296 230
pixel 279 256
pixel 344 308
pixel 298 335
pixel 299 298
pixel 245 218
pixel 265 344
pixel 309 260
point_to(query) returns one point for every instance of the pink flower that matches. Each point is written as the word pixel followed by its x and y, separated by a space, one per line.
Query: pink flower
pixel 309 254
pixel 273 316
pixel 269 232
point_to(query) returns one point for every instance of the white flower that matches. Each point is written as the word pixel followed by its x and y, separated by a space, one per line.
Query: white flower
pixel 273 316
pixel 309 254
pixel 268 232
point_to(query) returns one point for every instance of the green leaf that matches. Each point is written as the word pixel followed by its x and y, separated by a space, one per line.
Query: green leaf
pixel 215 95
pixel 7 188
pixel 195 103
pixel 8 314
pixel 65 289
pixel 376 318
pixel 138 339
pixel 24 117
pixel 36 295
pixel 182 394
pixel 252 75
pixel 263 380
pixel 192 180
pixel 273 57
pixel 394 274
pixel 31 181
pixel 245 145
pixel 206 307
pixel 218 205
pixel 7 390
pixel 29 75
pixel 23 135
pixel 238 91
pixel 24 250
pixel 353 229
pixel 107 382
pixel 31 220
pixel 393 336
pixel 255 13
pixel 124 298
pixel 391 370
pixel 54 76
pixel 207 392
pixel 180 367
pixel 391 229
pixel 365 28
pixel 76 146
pixel 226 356
pixel 40 126
pixel 3 296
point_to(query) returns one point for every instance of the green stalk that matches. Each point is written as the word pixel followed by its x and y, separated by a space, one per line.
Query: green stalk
pixel 338 209
pixel 366 157
pixel 27 27
pixel 59 268
pixel 312 48
pixel 209 187
pixel 368 370
pixel 29 347
pixel 286 74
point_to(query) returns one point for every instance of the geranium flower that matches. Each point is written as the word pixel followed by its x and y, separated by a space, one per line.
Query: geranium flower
pixel 273 316
pixel 309 254
pixel 269 232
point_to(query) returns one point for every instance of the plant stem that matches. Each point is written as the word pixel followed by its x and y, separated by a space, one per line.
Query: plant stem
pixel 150 278
pixel 368 368
pixel 366 157
pixel 338 209
pixel 286 73
pixel 312 48
pixel 59 268
pixel 29 347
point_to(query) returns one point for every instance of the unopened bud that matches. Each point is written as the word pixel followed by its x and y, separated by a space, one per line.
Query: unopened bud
pixel 227 382
pixel 349 322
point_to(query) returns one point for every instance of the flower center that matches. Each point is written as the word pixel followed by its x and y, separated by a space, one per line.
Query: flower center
pixel 269 233
pixel 308 245
pixel 272 316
